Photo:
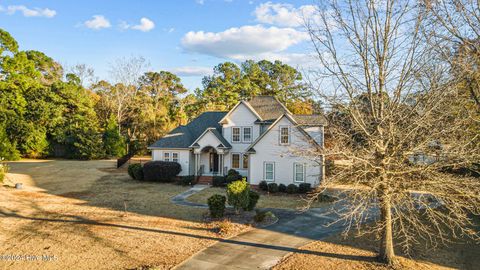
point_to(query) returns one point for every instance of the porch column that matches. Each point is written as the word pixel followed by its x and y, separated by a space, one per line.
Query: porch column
pixel 220 163
pixel 196 164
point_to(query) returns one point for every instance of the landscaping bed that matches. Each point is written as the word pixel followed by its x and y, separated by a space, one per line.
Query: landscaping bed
pixel 267 200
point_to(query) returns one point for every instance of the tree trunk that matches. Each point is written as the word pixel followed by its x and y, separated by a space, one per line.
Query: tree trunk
pixel 386 252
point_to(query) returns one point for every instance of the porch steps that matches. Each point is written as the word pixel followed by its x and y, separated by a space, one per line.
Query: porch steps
pixel 205 180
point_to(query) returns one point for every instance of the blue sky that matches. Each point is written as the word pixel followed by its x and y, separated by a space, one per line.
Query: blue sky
pixel 187 37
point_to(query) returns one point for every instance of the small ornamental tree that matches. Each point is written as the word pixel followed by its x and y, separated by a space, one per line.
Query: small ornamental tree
pixel 216 205
pixel 238 194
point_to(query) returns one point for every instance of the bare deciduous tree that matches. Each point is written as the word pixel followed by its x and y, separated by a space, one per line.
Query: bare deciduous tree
pixel 389 118
pixel 85 73
pixel 454 31
pixel 126 73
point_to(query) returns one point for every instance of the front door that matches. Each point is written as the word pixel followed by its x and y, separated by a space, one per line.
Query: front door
pixel 214 162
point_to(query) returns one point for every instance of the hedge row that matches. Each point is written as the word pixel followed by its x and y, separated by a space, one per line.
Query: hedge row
pixel 290 189
pixel 158 171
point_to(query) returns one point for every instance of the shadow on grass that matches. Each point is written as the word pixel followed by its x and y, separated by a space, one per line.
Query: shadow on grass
pixel 83 221
pixel 112 191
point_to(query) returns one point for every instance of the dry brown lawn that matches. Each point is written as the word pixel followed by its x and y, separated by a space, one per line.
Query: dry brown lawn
pixel 75 211
pixel 358 253
pixel 279 200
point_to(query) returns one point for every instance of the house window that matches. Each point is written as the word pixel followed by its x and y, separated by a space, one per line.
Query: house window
pixel 269 171
pixel 175 157
pixel 235 134
pixel 166 156
pixel 247 134
pixel 245 161
pixel 284 135
pixel 299 172
pixel 236 161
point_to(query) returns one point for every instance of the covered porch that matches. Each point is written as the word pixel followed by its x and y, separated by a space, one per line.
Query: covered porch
pixel 209 152
pixel 209 161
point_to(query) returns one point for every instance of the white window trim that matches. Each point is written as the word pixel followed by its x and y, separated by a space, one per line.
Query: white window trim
pixel 166 156
pixel 280 135
pixel 248 161
pixel 243 134
pixel 178 157
pixel 304 172
pixel 239 161
pixel 239 134
pixel 265 171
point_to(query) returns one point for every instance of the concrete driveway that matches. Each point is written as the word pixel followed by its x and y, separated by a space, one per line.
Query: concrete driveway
pixel 264 248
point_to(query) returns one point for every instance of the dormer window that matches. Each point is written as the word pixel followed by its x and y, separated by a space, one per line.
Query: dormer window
pixel 284 135
pixel 235 134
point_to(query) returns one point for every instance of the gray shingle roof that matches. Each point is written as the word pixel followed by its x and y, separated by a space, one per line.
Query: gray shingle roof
pixel 184 136
pixel 225 143
pixel 310 119
pixel 268 107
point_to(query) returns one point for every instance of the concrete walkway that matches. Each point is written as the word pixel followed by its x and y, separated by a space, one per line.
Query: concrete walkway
pixel 180 198
pixel 264 248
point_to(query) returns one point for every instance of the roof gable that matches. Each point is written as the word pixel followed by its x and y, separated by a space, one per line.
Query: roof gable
pixel 184 136
pixel 221 140
pixel 289 118
pixel 240 103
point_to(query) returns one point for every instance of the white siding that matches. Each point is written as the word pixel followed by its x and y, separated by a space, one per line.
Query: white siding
pixel 240 117
pixel 209 139
pixel 183 158
pixel 268 149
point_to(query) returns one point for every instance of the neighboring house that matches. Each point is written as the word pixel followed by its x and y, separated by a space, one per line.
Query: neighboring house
pixel 259 138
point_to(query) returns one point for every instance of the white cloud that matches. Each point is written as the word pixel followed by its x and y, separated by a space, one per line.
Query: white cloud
pixel 242 41
pixel 98 22
pixel 200 2
pixel 188 71
pixel 144 26
pixel 285 14
pixel 28 12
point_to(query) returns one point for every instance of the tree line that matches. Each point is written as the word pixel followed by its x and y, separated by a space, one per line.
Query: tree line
pixel 49 110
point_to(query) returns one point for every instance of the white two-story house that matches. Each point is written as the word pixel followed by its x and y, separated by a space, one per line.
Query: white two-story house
pixel 259 138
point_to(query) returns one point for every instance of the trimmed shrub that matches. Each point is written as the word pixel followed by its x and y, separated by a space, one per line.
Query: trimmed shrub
pixel 252 200
pixel 186 180
pixel 232 176
pixel 219 181
pixel 132 168
pixel 272 187
pixel 216 205
pixel 138 173
pixel 238 194
pixel 263 185
pixel 282 188
pixel 259 216
pixel 161 171
pixel 304 187
pixel 232 172
pixel 262 215
pixel 292 189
